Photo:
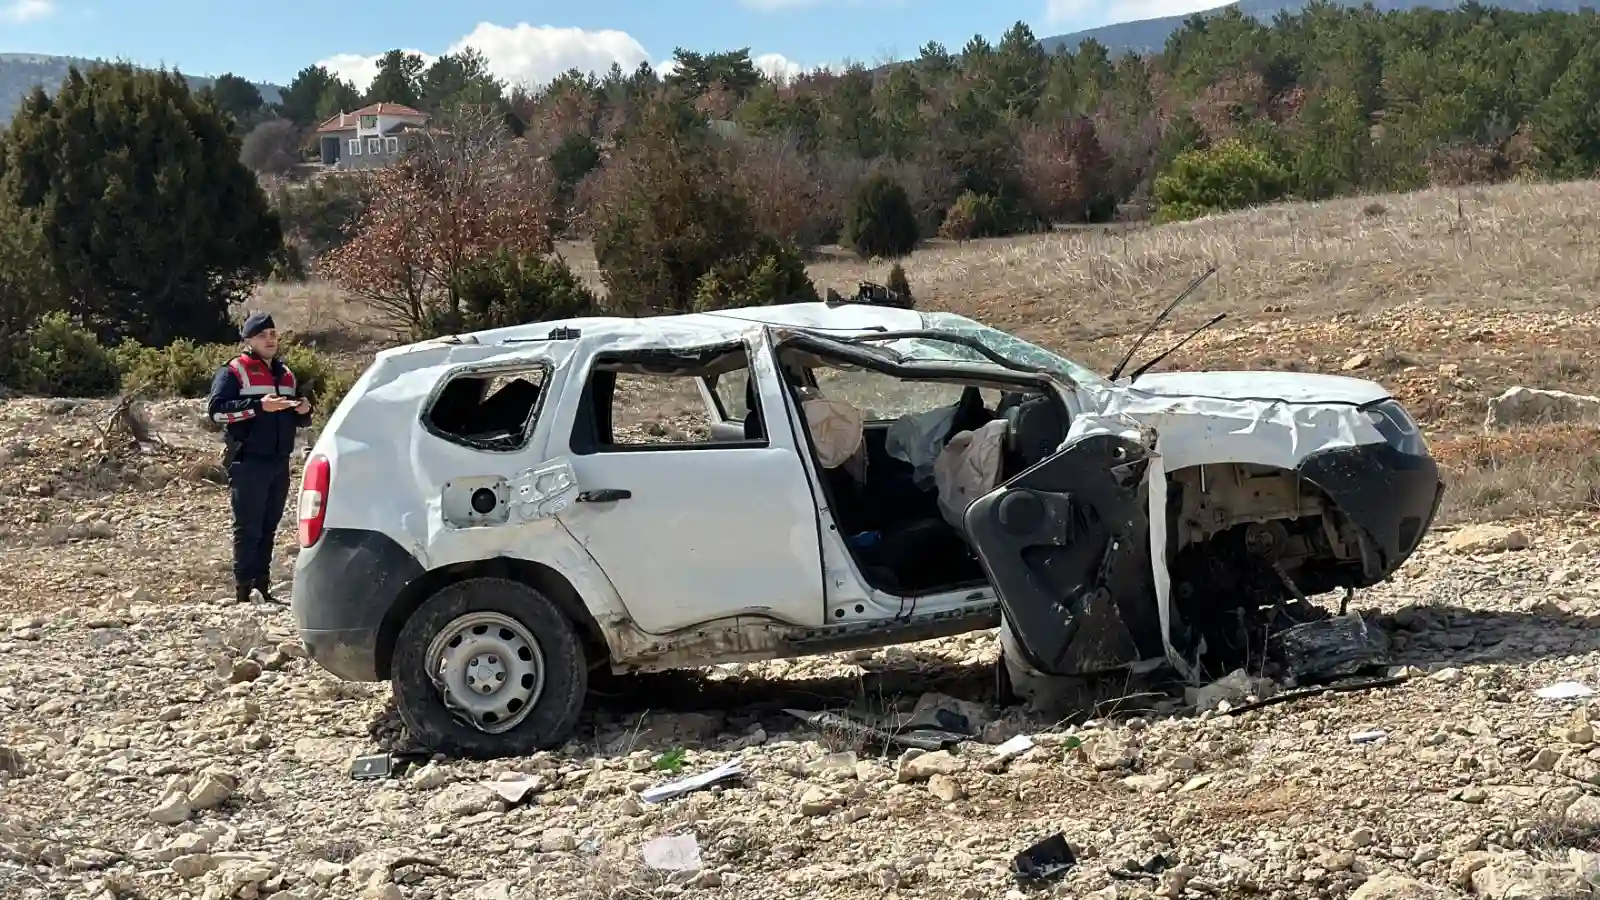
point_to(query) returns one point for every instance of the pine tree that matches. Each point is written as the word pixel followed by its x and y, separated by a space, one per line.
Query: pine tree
pixel 153 225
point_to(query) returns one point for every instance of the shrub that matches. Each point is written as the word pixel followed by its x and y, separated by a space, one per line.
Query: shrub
pixel 271 148
pixel 770 274
pixel 180 369
pixel 28 287
pixel 897 282
pixel 1230 174
pixel 321 216
pixel 185 369
pixel 1066 173
pixel 789 193
pixel 60 358
pixel 974 216
pixel 315 376
pixel 288 265
pixel 507 289
pixel 665 212
pixel 882 222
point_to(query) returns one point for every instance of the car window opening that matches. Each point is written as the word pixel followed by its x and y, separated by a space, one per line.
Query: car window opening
pixel 488 411
pixel 901 458
pixel 649 400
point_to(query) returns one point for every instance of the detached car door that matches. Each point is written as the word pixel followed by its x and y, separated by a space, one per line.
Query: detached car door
pixel 1066 545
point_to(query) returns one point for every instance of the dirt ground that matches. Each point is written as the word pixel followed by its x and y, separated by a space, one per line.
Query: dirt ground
pixel 157 741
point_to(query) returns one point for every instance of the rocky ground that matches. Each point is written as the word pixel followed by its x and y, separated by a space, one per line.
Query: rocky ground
pixel 159 742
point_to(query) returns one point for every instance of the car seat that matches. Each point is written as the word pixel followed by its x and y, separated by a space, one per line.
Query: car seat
pixel 1038 425
pixel 969 467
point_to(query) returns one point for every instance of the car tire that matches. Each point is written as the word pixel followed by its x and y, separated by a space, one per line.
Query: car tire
pixel 551 716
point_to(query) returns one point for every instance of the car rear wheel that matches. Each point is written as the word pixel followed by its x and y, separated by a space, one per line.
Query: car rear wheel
pixel 489 667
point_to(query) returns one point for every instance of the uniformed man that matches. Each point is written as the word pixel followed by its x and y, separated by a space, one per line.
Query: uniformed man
pixel 254 398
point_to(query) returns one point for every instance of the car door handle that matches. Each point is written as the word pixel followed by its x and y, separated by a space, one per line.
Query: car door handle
pixel 604 495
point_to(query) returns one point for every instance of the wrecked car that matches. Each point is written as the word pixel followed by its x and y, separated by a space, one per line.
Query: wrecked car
pixel 486 520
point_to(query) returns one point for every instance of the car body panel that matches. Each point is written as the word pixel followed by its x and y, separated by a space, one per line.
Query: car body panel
pixel 1066 545
pixel 1285 387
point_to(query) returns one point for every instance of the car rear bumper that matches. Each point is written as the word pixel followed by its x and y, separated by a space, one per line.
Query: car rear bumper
pixel 1391 496
pixel 344 589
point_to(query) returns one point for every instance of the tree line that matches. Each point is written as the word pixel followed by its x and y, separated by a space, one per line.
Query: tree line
pixel 140 210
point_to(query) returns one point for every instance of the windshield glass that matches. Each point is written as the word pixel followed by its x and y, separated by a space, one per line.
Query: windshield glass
pixel 1008 345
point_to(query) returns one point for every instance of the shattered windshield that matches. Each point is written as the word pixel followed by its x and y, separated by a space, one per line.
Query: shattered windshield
pixel 1008 345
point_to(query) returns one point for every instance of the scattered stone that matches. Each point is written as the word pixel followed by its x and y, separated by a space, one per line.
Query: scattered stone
pixel 819 801
pixel 244 670
pixel 1396 887
pixel 946 788
pixel 920 767
pixel 1522 406
pixel 172 809
pixel 457 801
pixel 1487 539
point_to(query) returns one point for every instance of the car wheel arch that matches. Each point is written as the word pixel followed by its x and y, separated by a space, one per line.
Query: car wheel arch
pixel 548 581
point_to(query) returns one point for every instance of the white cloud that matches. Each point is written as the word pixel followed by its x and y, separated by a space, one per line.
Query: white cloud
pixel 1079 14
pixel 777 66
pixel 20 11
pixel 360 70
pixel 537 53
pixel 518 54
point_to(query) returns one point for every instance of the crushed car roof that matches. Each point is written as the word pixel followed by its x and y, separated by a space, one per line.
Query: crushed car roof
pixel 703 328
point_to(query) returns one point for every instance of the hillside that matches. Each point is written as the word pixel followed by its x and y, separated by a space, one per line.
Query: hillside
pixel 1150 35
pixel 22 72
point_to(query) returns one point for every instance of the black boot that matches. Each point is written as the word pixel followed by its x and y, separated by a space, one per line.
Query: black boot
pixel 241 592
pixel 263 586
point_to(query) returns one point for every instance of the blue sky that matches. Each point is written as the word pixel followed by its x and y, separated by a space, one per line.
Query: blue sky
pixel 528 40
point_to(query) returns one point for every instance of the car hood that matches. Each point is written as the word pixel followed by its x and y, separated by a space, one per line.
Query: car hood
pixel 1289 387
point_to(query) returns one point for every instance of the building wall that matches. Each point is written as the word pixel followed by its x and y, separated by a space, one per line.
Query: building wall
pixel 388 149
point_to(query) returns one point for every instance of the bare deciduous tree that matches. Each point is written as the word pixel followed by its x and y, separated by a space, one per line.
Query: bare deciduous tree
pixel 463 192
pixel 271 148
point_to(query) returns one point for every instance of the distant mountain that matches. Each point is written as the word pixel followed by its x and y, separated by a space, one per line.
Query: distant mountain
pixel 20 73
pixel 1150 35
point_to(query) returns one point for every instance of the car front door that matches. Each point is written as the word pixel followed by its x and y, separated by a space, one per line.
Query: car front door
pixel 689 524
pixel 1066 545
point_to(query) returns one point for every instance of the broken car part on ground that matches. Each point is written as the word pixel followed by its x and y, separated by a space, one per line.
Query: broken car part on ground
pixel 485 521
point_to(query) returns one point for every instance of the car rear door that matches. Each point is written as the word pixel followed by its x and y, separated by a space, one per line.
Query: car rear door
pixel 1066 545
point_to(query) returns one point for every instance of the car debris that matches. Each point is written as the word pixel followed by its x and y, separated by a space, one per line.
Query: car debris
pixel 1014 747
pixel 1564 690
pixel 1332 648
pixel 1150 869
pixel 732 770
pixel 1341 688
pixel 937 730
pixel 893 476
pixel 1044 862
pixel 377 766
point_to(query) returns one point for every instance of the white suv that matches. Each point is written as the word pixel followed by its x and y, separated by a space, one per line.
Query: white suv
pixel 487 518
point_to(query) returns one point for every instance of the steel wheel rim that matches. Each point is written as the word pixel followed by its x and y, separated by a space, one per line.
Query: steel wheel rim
pixel 488 669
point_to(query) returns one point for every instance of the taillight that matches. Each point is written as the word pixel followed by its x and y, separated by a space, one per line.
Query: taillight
pixel 313 499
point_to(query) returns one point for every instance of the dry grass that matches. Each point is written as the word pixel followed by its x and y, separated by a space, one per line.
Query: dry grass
pixel 1544 470
pixel 1452 296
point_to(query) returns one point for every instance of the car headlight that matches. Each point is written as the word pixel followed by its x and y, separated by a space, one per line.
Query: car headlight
pixel 1397 427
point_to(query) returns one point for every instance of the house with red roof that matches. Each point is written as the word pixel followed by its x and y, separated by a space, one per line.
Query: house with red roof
pixel 374 135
